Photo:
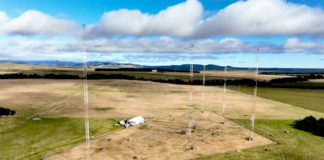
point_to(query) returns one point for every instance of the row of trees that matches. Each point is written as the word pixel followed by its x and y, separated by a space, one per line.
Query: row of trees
pixel 125 69
pixel 311 124
pixel 274 83
pixel 173 70
pixel 6 111
pixel 288 80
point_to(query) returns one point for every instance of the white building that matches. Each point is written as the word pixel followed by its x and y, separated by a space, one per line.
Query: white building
pixel 133 121
pixel 136 121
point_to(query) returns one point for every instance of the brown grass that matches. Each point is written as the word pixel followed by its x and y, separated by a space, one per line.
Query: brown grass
pixel 64 98
pixel 162 139
pixel 242 74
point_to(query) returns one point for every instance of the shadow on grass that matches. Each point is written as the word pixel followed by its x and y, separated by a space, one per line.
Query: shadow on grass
pixel 310 124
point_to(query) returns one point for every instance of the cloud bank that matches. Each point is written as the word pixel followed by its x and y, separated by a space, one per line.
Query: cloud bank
pixel 162 45
pixel 264 18
pixel 176 28
pixel 178 20
pixel 243 18
pixel 183 20
pixel 34 22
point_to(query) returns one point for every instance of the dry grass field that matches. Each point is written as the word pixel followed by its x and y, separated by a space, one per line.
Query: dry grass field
pixel 7 68
pixel 64 99
pixel 317 80
pixel 235 74
pixel 160 138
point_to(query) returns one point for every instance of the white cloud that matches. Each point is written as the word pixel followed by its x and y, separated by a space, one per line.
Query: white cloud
pixel 34 22
pixel 3 17
pixel 159 45
pixel 183 20
pixel 178 20
pixel 294 45
pixel 264 17
pixel 152 49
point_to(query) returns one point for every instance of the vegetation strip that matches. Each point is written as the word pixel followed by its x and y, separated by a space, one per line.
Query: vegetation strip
pixel 274 83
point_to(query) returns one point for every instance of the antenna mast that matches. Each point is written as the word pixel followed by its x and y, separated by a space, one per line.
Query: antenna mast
pixel 190 84
pixel 255 93
pixel 191 76
pixel 203 89
pixel 225 73
pixel 86 116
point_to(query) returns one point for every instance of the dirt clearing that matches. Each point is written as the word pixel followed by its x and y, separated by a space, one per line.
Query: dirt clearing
pixel 160 138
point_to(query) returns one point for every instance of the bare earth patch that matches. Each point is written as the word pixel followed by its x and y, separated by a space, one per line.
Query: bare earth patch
pixel 160 138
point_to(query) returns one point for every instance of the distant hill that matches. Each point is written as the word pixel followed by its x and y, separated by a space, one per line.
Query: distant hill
pixel 187 67
pixel 45 63
pixel 65 63
pixel 182 67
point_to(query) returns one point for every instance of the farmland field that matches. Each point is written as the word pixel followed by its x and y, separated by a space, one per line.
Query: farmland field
pixel 293 145
pixel 60 105
pixel 305 98
pixel 34 139
pixel 213 74
pixel 161 138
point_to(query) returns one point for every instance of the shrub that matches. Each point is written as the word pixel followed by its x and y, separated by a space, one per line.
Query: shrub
pixel 311 124
pixel 12 112
pixel 6 111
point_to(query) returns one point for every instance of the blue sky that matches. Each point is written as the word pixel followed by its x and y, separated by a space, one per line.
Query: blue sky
pixel 289 33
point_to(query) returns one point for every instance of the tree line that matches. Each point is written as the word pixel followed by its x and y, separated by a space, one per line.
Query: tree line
pixel 311 124
pixel 125 69
pixel 6 111
pixel 173 70
pixel 289 82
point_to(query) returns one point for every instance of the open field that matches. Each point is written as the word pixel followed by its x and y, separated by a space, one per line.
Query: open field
pixel 311 84
pixel 237 74
pixel 160 138
pixel 210 75
pixel 64 98
pixel 304 98
pixel 317 80
pixel 61 102
pixel 296 144
pixel 35 139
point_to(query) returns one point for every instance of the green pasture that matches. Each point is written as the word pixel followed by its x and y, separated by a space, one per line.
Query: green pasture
pixel 308 84
pixel 34 139
pixel 305 98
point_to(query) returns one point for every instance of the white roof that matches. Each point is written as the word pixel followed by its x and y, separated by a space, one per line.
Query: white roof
pixel 136 120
